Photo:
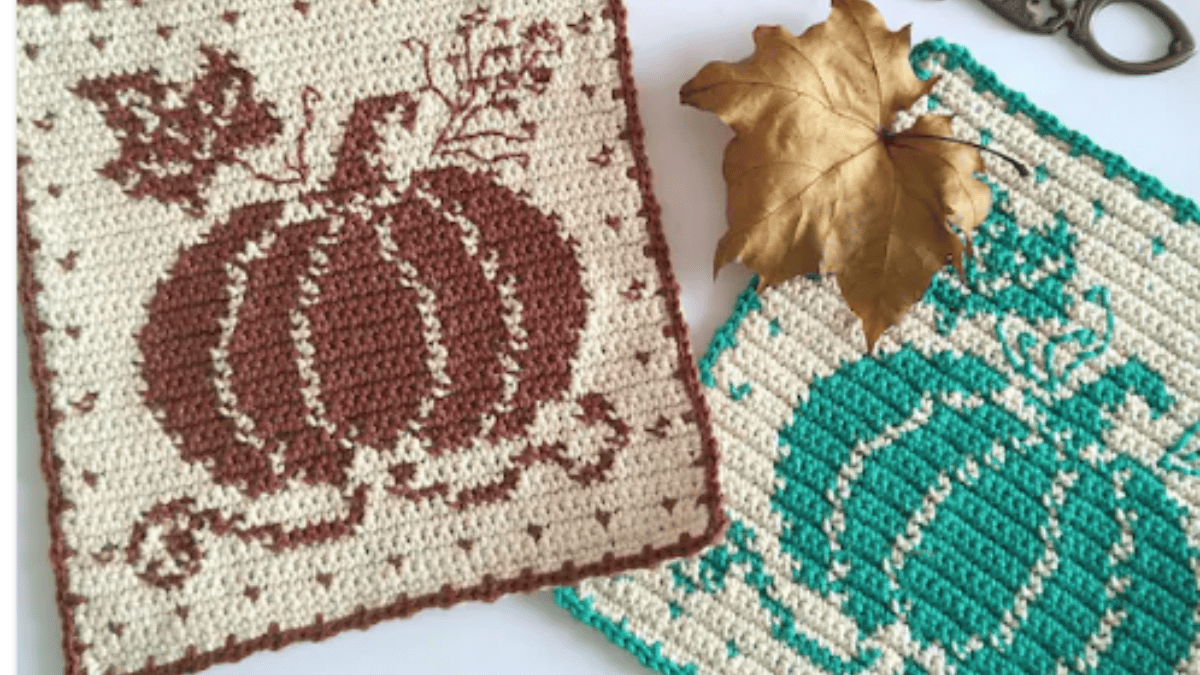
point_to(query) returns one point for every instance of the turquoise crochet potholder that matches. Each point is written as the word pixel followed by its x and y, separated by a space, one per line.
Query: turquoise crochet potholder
pixel 1010 484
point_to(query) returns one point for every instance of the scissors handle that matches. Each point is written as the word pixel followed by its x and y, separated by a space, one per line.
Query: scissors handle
pixel 1181 48
pixel 1019 13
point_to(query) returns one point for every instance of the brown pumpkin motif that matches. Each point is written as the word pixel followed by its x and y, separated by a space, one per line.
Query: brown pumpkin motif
pixel 424 323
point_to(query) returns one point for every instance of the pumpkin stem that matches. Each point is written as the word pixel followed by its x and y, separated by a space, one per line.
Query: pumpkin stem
pixel 355 169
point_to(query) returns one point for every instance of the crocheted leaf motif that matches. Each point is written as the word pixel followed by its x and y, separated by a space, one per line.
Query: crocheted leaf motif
pixel 820 182
pixel 172 135
pixel 1021 271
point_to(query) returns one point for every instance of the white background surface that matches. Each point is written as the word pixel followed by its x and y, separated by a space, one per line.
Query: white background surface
pixel 1153 121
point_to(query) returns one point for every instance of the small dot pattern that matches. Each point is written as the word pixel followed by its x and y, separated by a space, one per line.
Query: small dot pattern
pixel 1010 483
pixel 342 310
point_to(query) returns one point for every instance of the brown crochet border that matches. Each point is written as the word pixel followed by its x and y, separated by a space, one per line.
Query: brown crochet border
pixel 490 589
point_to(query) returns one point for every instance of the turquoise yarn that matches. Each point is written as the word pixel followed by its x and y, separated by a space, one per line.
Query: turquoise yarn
pixel 1033 538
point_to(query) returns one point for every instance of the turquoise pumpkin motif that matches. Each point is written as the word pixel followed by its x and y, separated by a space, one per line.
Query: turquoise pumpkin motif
pixel 984 507
pixel 961 505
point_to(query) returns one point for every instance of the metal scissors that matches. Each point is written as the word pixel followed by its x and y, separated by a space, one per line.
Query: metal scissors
pixel 1079 20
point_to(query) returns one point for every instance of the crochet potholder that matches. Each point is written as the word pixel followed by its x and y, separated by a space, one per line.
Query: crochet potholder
pixel 1010 485
pixel 339 310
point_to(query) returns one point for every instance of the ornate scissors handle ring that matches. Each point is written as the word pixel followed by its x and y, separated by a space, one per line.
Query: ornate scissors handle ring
pixel 1079 20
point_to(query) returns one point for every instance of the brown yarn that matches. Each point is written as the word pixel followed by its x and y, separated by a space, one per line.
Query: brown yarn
pixel 554 318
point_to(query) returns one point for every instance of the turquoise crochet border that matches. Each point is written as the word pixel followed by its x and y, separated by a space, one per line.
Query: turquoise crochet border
pixel 1115 165
pixel 956 56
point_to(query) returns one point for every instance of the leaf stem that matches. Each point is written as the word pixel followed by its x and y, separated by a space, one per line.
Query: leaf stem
pixel 1016 164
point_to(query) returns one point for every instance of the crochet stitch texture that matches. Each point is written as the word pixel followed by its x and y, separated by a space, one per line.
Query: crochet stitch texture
pixel 341 310
pixel 1011 485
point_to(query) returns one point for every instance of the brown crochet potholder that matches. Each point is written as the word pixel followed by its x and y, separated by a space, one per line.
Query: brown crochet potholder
pixel 340 310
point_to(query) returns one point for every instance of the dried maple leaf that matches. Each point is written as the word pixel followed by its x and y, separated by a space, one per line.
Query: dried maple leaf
pixel 819 182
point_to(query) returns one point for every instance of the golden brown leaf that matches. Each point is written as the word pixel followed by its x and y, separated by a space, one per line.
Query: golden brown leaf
pixel 820 183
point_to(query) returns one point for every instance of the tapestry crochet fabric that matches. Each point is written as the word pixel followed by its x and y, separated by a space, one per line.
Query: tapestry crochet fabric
pixel 340 310
pixel 1009 485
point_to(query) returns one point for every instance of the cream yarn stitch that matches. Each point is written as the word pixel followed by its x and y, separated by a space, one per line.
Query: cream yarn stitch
pixel 1011 484
pixel 340 310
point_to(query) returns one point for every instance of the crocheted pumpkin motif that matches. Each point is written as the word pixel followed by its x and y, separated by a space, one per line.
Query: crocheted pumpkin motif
pixel 982 513
pixel 421 321
pixel 1007 485
pixel 987 535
